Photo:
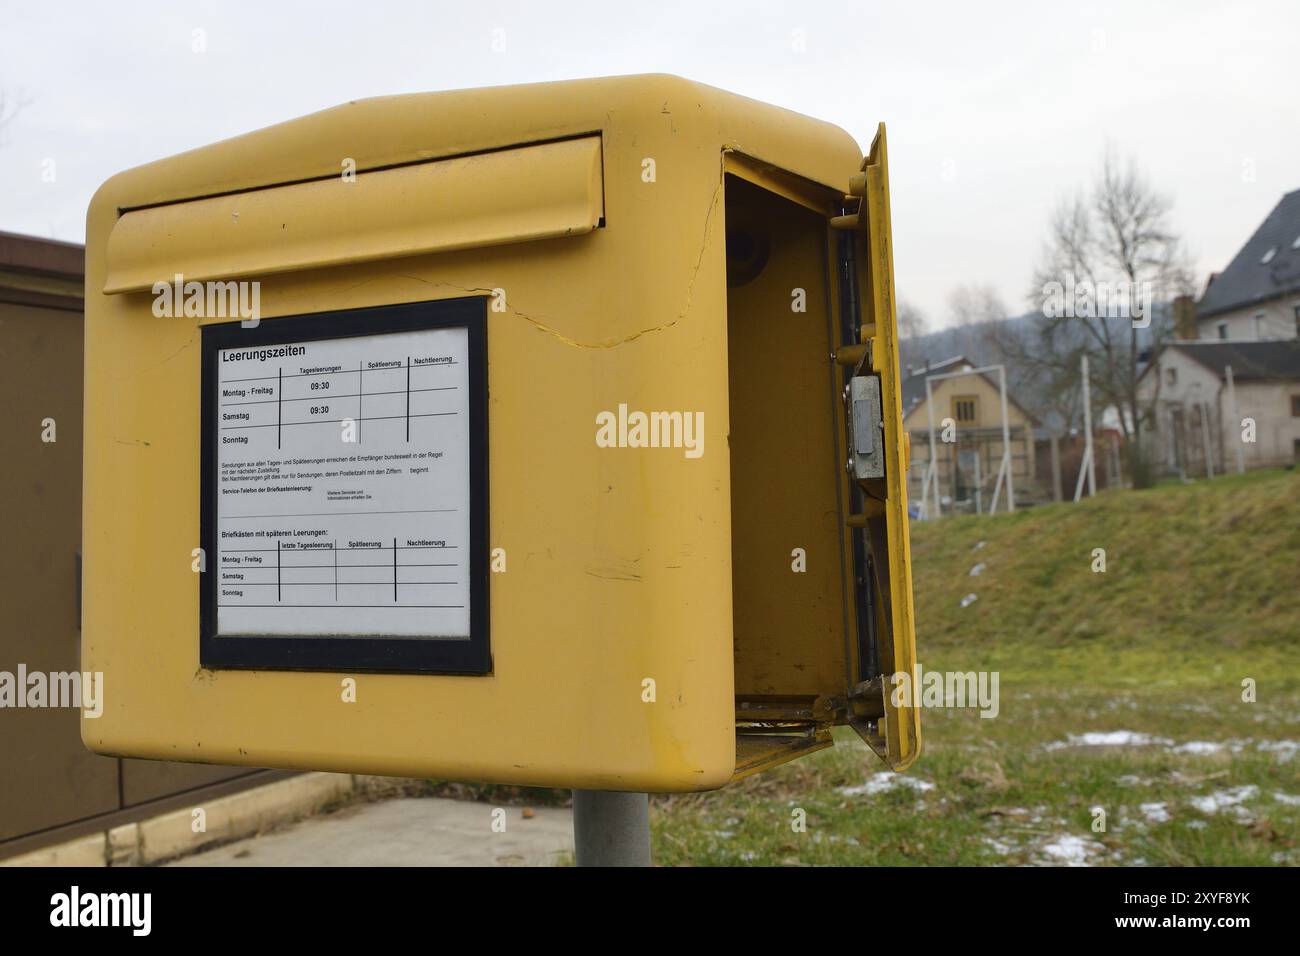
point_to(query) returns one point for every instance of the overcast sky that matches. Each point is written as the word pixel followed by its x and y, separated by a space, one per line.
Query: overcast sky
pixel 995 110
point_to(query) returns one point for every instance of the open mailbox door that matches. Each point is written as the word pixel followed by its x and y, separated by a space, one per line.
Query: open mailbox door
pixel 880 709
pixel 819 647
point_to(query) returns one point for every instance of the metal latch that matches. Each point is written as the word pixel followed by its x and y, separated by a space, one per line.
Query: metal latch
pixel 866 426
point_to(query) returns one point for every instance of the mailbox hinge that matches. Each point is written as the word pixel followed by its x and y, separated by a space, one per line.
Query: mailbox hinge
pixel 773 730
pixel 854 356
pixel 866 712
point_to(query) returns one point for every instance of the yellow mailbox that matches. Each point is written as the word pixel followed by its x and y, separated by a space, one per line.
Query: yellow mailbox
pixel 543 435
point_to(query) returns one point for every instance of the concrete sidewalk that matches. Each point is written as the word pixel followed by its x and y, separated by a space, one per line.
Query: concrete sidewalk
pixel 407 831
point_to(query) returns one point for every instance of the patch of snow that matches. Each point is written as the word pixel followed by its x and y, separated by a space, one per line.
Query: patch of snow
pixel 1200 747
pixel 883 782
pixel 999 847
pixel 978 545
pixel 977 570
pixel 1155 812
pixel 1070 850
pixel 1285 749
pixel 1290 799
pixel 1224 799
pixel 1114 738
pixel 968 600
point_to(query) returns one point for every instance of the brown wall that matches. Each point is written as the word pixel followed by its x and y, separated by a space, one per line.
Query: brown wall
pixel 53 787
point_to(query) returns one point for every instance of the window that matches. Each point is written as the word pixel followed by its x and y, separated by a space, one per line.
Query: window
pixel 1259 326
pixel 1295 406
pixel 1297 320
pixel 964 408
pixel 1223 330
pixel 1171 376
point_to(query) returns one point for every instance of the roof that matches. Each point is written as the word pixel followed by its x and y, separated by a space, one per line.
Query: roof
pixel 914 384
pixel 914 379
pixel 45 273
pixel 44 256
pixel 1249 279
pixel 1250 361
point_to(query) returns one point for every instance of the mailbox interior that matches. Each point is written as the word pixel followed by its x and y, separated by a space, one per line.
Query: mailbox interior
pixel 790 607
pixel 818 538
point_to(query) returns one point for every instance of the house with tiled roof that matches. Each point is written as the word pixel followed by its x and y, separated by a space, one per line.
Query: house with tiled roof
pixel 967 418
pixel 1257 297
pixel 1221 405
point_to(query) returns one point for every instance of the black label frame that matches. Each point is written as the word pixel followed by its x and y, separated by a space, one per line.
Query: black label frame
pixel 343 654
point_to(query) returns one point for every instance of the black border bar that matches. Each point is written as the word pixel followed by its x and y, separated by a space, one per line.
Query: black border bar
pixel 347 654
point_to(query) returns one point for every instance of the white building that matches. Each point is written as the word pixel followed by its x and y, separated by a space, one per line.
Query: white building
pixel 1257 298
pixel 1187 382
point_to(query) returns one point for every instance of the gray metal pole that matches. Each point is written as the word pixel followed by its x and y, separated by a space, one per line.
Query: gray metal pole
pixel 1056 467
pixel 1235 424
pixel 611 828
pixel 1087 429
pixel 934 462
pixel 1006 439
pixel 1205 439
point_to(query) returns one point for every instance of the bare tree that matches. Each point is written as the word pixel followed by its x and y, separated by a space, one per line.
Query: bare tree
pixel 972 303
pixel 1110 256
pixel 1042 361
pixel 974 308
pixel 912 322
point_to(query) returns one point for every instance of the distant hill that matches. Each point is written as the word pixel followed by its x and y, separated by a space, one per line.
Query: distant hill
pixel 1050 396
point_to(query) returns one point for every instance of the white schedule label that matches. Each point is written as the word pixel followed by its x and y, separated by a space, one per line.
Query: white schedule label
pixel 343 487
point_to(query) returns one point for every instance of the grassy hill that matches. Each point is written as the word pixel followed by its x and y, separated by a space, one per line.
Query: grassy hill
pixel 1120 692
pixel 1197 576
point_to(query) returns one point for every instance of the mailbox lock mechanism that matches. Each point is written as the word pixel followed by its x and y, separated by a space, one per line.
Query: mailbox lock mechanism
pixel 866 447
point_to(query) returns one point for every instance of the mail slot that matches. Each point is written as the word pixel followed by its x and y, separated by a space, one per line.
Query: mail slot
pixel 545 435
